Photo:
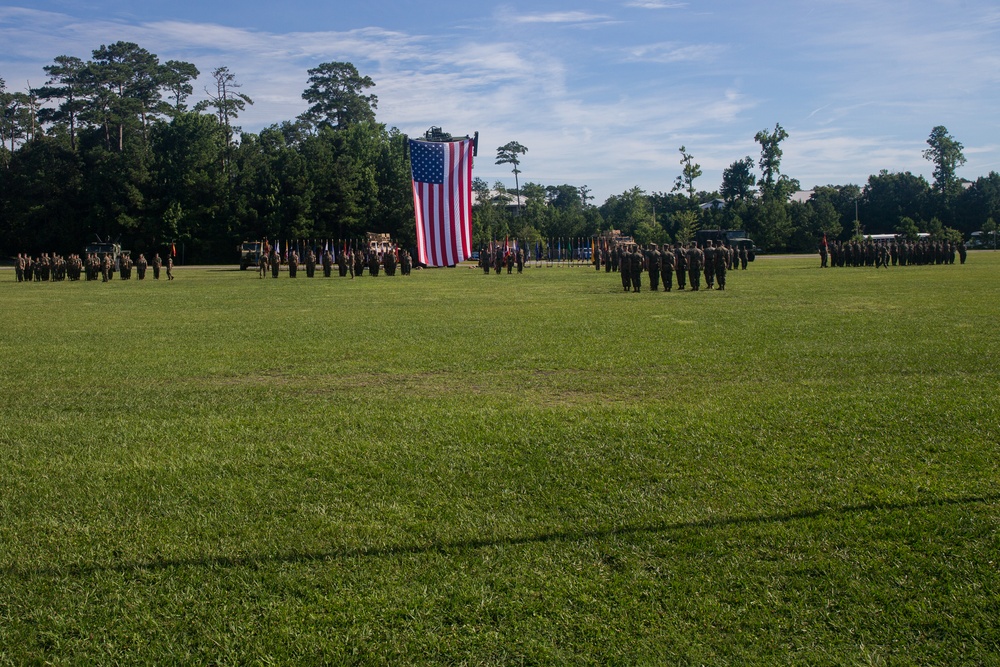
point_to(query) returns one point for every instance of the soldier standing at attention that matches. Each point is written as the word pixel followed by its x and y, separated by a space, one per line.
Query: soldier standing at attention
pixel 520 260
pixel 342 263
pixel 157 263
pixel 721 264
pixel 275 262
pixel 667 267
pixel 653 267
pixel 635 269
pixel 390 261
pixel 359 263
pixel 170 267
pixel 262 266
pixel 680 265
pixel 327 263
pixel 19 267
pixel 695 259
pixel 963 252
pixel 310 263
pixel 293 264
pixel 140 266
pixel 709 263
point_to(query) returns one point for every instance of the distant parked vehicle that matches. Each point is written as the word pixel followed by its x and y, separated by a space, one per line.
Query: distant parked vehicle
pixel 734 238
pixel 250 252
pixel 102 248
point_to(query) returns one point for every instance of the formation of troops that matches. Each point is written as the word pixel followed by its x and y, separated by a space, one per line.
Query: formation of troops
pixel 663 264
pixel 104 267
pixel 499 257
pixel 688 264
pixel 349 262
pixel 896 252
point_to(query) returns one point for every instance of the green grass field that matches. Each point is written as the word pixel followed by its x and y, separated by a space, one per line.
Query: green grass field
pixel 538 469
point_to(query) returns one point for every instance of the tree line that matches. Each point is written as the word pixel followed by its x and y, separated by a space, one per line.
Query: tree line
pixel 110 146
pixel 757 197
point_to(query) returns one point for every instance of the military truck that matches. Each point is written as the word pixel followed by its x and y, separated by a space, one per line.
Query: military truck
pixel 380 243
pixel 734 238
pixel 102 248
pixel 250 252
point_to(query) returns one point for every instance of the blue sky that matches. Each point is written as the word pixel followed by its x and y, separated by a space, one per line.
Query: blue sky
pixel 602 92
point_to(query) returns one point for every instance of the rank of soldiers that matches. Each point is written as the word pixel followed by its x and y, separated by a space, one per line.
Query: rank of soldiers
pixel 885 253
pixel 349 262
pixel 497 257
pixel 55 268
pixel 687 263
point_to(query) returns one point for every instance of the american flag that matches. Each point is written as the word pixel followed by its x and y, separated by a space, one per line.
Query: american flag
pixel 442 200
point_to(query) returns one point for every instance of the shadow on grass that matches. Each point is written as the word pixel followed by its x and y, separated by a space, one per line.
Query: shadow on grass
pixel 458 546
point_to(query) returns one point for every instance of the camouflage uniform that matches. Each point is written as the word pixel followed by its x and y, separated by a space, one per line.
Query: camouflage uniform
pixel 695 261
pixel 680 265
pixel 667 267
pixel 721 265
pixel 653 267
pixel 635 269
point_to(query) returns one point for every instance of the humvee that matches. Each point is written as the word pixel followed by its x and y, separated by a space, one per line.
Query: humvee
pixel 250 253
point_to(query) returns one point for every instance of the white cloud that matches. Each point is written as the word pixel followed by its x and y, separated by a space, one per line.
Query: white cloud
pixel 559 17
pixel 656 4
pixel 672 52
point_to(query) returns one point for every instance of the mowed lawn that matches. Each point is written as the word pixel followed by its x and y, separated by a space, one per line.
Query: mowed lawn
pixel 466 469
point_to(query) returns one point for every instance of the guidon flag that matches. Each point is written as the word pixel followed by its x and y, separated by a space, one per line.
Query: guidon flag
pixel 442 200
